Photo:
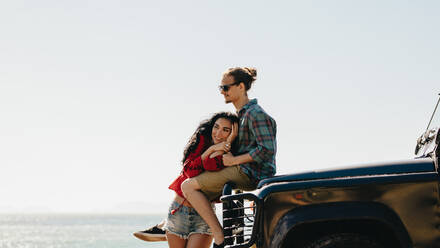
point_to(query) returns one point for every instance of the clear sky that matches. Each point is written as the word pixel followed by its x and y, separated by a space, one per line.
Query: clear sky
pixel 98 98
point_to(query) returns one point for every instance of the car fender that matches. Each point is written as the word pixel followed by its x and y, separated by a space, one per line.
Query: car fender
pixel 340 211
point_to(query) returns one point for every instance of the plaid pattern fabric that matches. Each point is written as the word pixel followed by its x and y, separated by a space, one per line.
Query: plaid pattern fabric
pixel 257 136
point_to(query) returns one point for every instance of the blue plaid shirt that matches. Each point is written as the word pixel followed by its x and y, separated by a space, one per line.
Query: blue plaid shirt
pixel 257 136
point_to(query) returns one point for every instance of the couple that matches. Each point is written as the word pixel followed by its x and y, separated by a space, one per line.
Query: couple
pixel 208 163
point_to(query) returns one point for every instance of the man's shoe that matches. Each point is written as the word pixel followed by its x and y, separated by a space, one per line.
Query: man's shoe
pixel 152 234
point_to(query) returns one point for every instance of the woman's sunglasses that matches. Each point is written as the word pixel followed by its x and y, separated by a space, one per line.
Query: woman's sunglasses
pixel 226 87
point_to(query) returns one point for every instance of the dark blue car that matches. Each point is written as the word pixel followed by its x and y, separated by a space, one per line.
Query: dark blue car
pixel 371 206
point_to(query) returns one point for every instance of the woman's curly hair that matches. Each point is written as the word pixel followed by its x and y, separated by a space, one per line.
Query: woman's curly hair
pixel 205 129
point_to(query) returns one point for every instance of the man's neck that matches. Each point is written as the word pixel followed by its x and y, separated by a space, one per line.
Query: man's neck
pixel 240 103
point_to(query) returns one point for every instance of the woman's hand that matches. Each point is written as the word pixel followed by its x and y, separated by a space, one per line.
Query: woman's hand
pixel 227 144
pixel 216 153
pixel 218 147
pixel 233 134
pixel 222 146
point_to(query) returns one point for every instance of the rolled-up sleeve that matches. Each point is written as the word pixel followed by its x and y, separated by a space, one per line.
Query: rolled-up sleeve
pixel 193 163
pixel 193 166
pixel 213 164
pixel 264 129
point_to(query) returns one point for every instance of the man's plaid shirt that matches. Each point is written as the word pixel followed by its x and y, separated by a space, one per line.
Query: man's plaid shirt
pixel 257 136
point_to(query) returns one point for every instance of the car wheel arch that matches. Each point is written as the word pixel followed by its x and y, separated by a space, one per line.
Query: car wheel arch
pixel 317 214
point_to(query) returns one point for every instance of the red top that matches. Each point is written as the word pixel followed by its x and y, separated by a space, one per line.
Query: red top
pixel 194 165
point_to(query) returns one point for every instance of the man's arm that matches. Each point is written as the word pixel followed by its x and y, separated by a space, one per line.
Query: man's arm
pixel 264 130
pixel 230 160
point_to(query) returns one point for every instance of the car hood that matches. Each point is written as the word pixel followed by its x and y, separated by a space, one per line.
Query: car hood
pixel 400 167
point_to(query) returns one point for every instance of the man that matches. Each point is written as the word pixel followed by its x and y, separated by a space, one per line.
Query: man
pixel 256 151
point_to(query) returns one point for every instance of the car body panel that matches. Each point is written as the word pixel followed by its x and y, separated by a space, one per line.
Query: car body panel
pixel 402 197
pixel 406 166
pixel 413 197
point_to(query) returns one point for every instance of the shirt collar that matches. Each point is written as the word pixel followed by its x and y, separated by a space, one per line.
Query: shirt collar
pixel 247 106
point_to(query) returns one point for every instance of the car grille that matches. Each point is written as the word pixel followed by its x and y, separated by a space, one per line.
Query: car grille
pixel 240 215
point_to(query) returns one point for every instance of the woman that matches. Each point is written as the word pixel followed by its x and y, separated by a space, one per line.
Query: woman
pixel 184 226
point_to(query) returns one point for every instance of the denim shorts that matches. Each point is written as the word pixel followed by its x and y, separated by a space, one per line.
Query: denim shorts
pixel 185 221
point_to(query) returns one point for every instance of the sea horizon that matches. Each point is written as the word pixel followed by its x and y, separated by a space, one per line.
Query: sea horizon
pixel 75 230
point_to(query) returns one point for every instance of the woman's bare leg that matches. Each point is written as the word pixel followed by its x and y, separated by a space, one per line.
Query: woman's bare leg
pixel 199 241
pixel 191 190
pixel 175 241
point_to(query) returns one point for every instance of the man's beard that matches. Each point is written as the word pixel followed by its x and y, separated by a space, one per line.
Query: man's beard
pixel 228 99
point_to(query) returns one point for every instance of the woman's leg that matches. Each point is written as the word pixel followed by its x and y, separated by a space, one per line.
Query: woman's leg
pixel 199 241
pixel 175 241
pixel 198 200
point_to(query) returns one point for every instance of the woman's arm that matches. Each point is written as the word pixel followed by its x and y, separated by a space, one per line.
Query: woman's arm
pixel 213 163
pixel 192 166
pixel 193 163
pixel 223 147
pixel 212 157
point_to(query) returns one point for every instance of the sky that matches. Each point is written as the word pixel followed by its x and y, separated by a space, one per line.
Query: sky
pixel 98 98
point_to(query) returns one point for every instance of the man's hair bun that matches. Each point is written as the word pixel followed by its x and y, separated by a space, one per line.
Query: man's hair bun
pixel 252 71
pixel 246 75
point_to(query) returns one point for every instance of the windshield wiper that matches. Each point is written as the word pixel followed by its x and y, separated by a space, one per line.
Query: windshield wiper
pixel 432 116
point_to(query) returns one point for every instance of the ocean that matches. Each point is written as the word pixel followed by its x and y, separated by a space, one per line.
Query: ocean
pixel 75 230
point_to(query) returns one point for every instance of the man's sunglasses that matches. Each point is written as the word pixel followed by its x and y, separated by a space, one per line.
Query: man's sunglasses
pixel 226 87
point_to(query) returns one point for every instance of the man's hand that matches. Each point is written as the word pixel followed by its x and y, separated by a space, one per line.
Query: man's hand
pixel 228 159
